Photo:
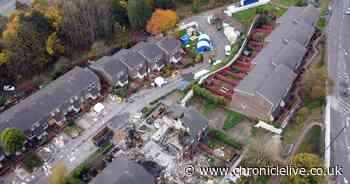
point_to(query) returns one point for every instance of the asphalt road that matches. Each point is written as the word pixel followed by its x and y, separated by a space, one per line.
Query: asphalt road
pixel 338 43
pixel 80 148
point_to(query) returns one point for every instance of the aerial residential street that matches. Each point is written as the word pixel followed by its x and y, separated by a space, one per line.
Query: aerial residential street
pixel 80 148
pixel 339 70
pixel 182 92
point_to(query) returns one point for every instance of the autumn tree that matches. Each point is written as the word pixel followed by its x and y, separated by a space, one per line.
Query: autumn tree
pixel 313 85
pixel 139 12
pixel 305 160
pixel 59 173
pixel 12 140
pixel 161 21
pixel 262 151
pixel 25 39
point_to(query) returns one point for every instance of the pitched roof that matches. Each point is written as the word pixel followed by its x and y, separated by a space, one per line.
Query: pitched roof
pixel 169 44
pixel 301 32
pixel 149 51
pixel 277 84
pixel 190 117
pixel 39 106
pixel 310 14
pixel 297 23
pixel 123 171
pixel 194 121
pixel 290 55
pixel 112 66
pixel 273 72
pixel 130 58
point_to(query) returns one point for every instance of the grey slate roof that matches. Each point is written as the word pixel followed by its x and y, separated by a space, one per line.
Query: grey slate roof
pixel 290 14
pixel 150 51
pixel 131 59
pixel 39 106
pixel 310 14
pixel 113 67
pixel 273 72
pixel 290 55
pixel 277 84
pixel 169 44
pixel 123 171
pixel 194 121
pixel 297 23
pixel 190 117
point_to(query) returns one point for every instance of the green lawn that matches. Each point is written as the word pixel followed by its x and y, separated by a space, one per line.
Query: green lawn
pixel 312 142
pixel 245 16
pixel 289 2
pixel 207 107
pixel 233 118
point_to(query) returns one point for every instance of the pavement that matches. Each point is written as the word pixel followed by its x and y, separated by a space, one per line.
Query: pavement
pixel 8 6
pixel 218 37
pixel 338 46
pixel 75 151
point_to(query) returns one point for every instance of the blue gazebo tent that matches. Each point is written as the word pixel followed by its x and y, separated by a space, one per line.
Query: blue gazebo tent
pixel 185 39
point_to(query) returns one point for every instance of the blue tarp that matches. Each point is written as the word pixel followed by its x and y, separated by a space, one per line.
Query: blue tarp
pixel 185 39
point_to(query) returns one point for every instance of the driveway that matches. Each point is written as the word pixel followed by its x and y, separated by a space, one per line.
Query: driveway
pixel 218 37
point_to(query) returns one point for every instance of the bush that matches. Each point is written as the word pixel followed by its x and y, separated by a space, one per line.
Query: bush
pixel 206 94
pixel 199 58
pixel 32 161
pixel 222 137
pixel 80 170
pixel 232 120
pixel 3 100
pixel 120 91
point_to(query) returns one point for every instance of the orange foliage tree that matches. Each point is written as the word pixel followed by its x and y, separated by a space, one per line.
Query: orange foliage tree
pixel 161 21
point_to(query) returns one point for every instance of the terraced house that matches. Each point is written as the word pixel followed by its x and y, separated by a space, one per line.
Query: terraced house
pixel 172 48
pixel 112 70
pixel 50 105
pixel 135 63
pixel 154 55
pixel 265 90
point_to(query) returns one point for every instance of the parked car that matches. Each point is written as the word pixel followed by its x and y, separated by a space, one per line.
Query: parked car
pixel 227 50
pixel 9 88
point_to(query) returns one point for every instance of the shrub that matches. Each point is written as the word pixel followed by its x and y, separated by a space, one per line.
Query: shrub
pixel 206 94
pixel 3 100
pixel 199 58
pixel 232 120
pixel 32 161
pixel 222 137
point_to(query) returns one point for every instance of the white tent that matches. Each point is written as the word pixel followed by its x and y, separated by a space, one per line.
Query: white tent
pixel 231 34
pixel 99 107
pixel 203 37
pixel 159 81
